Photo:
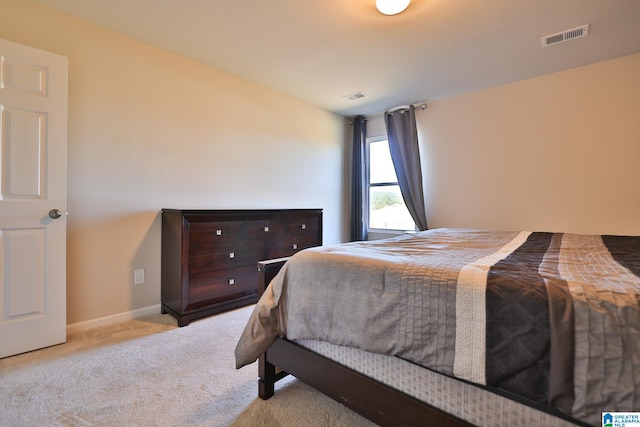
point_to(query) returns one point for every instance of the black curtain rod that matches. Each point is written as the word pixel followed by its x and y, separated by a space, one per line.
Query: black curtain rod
pixel 418 106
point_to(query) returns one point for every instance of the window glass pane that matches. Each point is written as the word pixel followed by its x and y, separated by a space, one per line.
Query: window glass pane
pixel 381 166
pixel 387 209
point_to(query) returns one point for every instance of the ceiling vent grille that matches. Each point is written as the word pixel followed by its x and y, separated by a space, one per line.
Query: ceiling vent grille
pixel 354 96
pixel 564 36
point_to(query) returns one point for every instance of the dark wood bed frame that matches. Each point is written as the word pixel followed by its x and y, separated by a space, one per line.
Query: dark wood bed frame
pixel 375 401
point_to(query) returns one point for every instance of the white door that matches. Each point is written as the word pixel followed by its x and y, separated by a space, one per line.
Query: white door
pixel 33 183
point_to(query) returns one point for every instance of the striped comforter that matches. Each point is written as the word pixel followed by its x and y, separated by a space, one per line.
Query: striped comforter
pixel 551 317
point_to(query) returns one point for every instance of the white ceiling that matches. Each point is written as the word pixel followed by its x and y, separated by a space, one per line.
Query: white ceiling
pixel 322 50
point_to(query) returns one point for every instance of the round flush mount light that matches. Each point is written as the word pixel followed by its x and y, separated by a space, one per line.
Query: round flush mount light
pixel 392 7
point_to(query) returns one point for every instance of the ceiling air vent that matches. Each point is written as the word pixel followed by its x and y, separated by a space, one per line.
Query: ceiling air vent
pixel 354 96
pixel 564 36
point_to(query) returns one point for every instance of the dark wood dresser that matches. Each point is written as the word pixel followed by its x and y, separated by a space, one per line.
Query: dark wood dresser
pixel 209 257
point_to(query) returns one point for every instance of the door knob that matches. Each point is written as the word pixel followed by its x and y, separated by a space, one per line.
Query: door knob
pixel 55 213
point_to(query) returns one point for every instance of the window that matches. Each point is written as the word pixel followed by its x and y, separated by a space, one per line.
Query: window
pixel 387 210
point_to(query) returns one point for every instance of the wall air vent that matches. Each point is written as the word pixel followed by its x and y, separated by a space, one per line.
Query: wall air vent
pixel 564 36
pixel 354 96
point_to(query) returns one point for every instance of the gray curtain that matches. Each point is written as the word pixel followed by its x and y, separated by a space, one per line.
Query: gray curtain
pixel 359 191
pixel 403 144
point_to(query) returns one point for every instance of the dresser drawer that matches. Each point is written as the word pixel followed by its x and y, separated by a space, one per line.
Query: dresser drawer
pixel 205 237
pixel 232 257
pixel 290 245
pixel 280 252
pixel 302 223
pixel 211 288
pixel 236 247
pixel 264 228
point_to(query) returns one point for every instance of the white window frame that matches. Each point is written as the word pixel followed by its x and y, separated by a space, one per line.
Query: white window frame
pixel 377 233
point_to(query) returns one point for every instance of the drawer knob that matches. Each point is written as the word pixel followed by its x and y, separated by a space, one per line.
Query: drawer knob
pixel 266 229
pixel 232 281
pixel 295 246
pixel 232 255
pixel 218 232
pixel 304 226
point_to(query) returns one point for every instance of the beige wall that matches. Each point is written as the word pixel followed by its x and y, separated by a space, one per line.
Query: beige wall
pixel 149 129
pixel 558 153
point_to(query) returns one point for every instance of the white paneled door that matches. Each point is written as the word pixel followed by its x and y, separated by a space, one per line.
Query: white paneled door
pixel 33 198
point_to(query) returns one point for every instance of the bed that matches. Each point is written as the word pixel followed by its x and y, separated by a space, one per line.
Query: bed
pixel 547 323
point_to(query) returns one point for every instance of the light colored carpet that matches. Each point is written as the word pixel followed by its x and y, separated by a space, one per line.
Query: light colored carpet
pixel 149 372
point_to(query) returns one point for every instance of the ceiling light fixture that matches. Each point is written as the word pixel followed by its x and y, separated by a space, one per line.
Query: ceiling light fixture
pixel 392 7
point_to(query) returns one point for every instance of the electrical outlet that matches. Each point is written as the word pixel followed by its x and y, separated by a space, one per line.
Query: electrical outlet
pixel 138 277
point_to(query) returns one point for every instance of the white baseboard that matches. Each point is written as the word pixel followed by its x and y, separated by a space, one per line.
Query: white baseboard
pixel 113 319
